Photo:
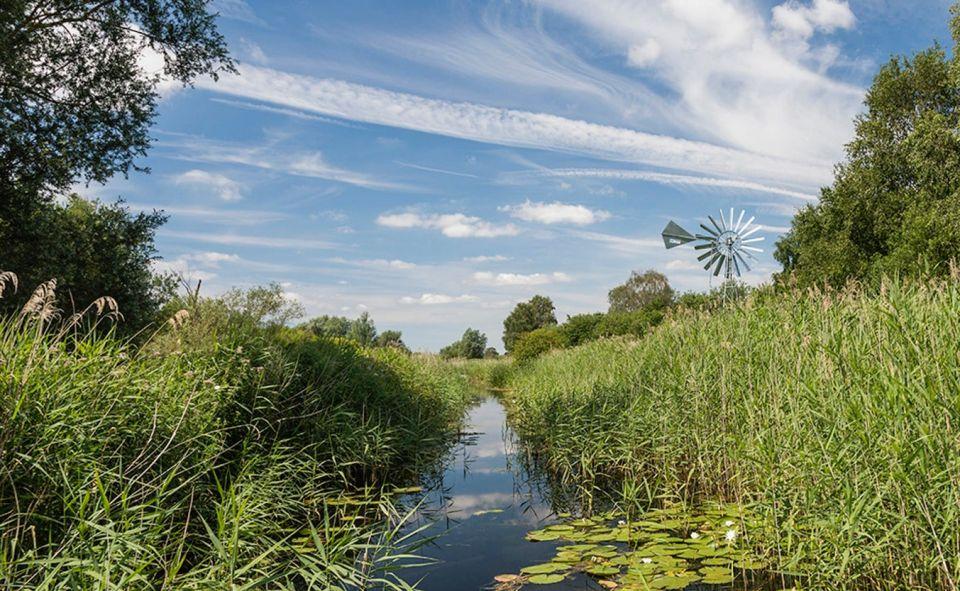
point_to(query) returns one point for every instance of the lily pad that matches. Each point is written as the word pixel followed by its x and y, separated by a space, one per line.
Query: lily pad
pixel 546 579
pixel 549 567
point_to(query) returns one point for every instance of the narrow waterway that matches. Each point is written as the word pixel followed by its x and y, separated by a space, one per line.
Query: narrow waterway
pixel 481 507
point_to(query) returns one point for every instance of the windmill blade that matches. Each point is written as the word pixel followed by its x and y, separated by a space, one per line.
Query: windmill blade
pixel 747 225
pixel 731 219
pixel 751 257
pixel 704 256
pixel 705 237
pixel 710 262
pixel 742 260
pixel 712 244
pixel 753 248
pixel 719 265
pixel 715 224
pixel 743 212
pixel 723 220
pixel 715 234
pixel 757 239
pixel 736 265
pixel 756 229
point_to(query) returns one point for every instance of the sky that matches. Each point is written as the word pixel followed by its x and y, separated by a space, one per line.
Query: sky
pixel 434 162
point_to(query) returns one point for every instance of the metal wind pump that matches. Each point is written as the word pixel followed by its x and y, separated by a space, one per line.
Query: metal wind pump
pixel 727 244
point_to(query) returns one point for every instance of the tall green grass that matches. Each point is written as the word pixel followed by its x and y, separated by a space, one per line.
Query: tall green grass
pixel 835 413
pixel 220 455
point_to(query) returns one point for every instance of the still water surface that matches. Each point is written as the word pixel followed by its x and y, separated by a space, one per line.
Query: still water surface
pixel 481 508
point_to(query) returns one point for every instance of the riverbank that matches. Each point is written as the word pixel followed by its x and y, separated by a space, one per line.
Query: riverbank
pixel 220 454
pixel 832 415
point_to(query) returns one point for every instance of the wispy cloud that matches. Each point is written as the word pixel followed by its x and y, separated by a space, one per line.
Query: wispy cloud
pixel 556 213
pixel 435 299
pixel 282 111
pixel 386 264
pixel 518 279
pixel 437 170
pixel 220 215
pixel 247 240
pixel 510 127
pixel 454 225
pixel 672 179
pixel 496 258
pixel 622 244
pixel 225 187
pixel 271 157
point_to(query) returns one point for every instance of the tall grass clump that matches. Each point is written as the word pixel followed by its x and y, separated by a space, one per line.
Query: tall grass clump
pixel 835 414
pixel 222 454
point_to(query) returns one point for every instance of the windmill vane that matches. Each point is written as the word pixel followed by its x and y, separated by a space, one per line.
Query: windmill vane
pixel 727 243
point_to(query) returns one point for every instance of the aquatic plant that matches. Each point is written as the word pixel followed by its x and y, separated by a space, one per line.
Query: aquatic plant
pixel 832 413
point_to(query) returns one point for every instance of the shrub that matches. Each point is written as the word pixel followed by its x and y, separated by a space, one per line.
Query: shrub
pixel 531 345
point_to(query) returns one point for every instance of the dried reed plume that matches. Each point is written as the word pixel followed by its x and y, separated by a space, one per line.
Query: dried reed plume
pixel 8 278
pixel 43 303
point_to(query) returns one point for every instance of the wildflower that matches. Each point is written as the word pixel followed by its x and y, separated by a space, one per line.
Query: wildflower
pixel 646 560
pixel 216 388
pixel 731 535
pixel 695 535
pixel 728 523
pixel 621 523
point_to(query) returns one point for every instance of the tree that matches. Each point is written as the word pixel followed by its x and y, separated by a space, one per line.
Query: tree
pixel 76 101
pixel 471 345
pixel 527 317
pixel 363 330
pixel 328 326
pixel 391 338
pixel 533 344
pixel 266 306
pixel 491 353
pixel 650 289
pixel 92 250
pixel 581 328
pixel 895 200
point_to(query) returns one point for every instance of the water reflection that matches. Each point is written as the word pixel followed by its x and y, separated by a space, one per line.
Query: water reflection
pixel 483 502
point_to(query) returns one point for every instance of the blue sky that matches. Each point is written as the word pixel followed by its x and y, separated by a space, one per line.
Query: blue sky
pixel 435 162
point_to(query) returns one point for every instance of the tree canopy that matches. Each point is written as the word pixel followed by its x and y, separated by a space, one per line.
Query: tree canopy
pixel 77 94
pixel 642 290
pixel 472 345
pixel 92 250
pixel 895 200
pixel 527 317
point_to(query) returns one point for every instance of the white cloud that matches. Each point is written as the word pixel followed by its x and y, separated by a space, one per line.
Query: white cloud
pixel 516 279
pixel 254 52
pixel 240 217
pixel 395 264
pixel 225 187
pixel 237 10
pixel 487 259
pixel 674 179
pixel 434 299
pixel 454 225
pixel 526 129
pixel 621 244
pixel 644 54
pixel 556 213
pixel 794 18
pixel 270 157
pixel 211 258
pixel 733 77
pixel 247 240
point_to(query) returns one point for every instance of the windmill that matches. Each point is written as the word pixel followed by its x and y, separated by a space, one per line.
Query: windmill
pixel 727 244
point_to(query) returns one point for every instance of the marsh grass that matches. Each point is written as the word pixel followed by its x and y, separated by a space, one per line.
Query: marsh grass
pixel 215 456
pixel 833 414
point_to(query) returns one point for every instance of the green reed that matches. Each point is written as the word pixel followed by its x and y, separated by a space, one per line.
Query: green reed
pixel 835 414
pixel 213 457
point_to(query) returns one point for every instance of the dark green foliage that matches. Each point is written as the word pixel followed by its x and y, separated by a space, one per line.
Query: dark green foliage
pixel 328 326
pixel 894 205
pixel 472 345
pixel 490 353
pixel 92 250
pixel 649 289
pixel 391 338
pixel 188 463
pixel 636 323
pixel 533 344
pixel 526 317
pixel 362 330
pixel 581 328
pixel 74 100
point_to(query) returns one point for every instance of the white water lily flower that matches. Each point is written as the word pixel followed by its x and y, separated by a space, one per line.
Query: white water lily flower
pixel 621 523
pixel 731 535
pixel 728 523
pixel 646 560
pixel 695 535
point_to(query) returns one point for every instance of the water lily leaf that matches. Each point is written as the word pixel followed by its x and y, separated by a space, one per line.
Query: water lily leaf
pixel 506 578
pixel 603 569
pixel 548 579
pixel 542 536
pixel 549 567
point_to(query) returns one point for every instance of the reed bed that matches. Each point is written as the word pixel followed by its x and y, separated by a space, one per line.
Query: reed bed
pixel 834 415
pixel 219 455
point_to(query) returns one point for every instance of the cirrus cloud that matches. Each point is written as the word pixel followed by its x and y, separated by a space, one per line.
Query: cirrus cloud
pixel 517 279
pixel 556 213
pixel 453 225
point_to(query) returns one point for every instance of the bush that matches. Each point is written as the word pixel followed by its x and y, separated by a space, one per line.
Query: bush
pixel 581 328
pixel 531 345
pixel 635 324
